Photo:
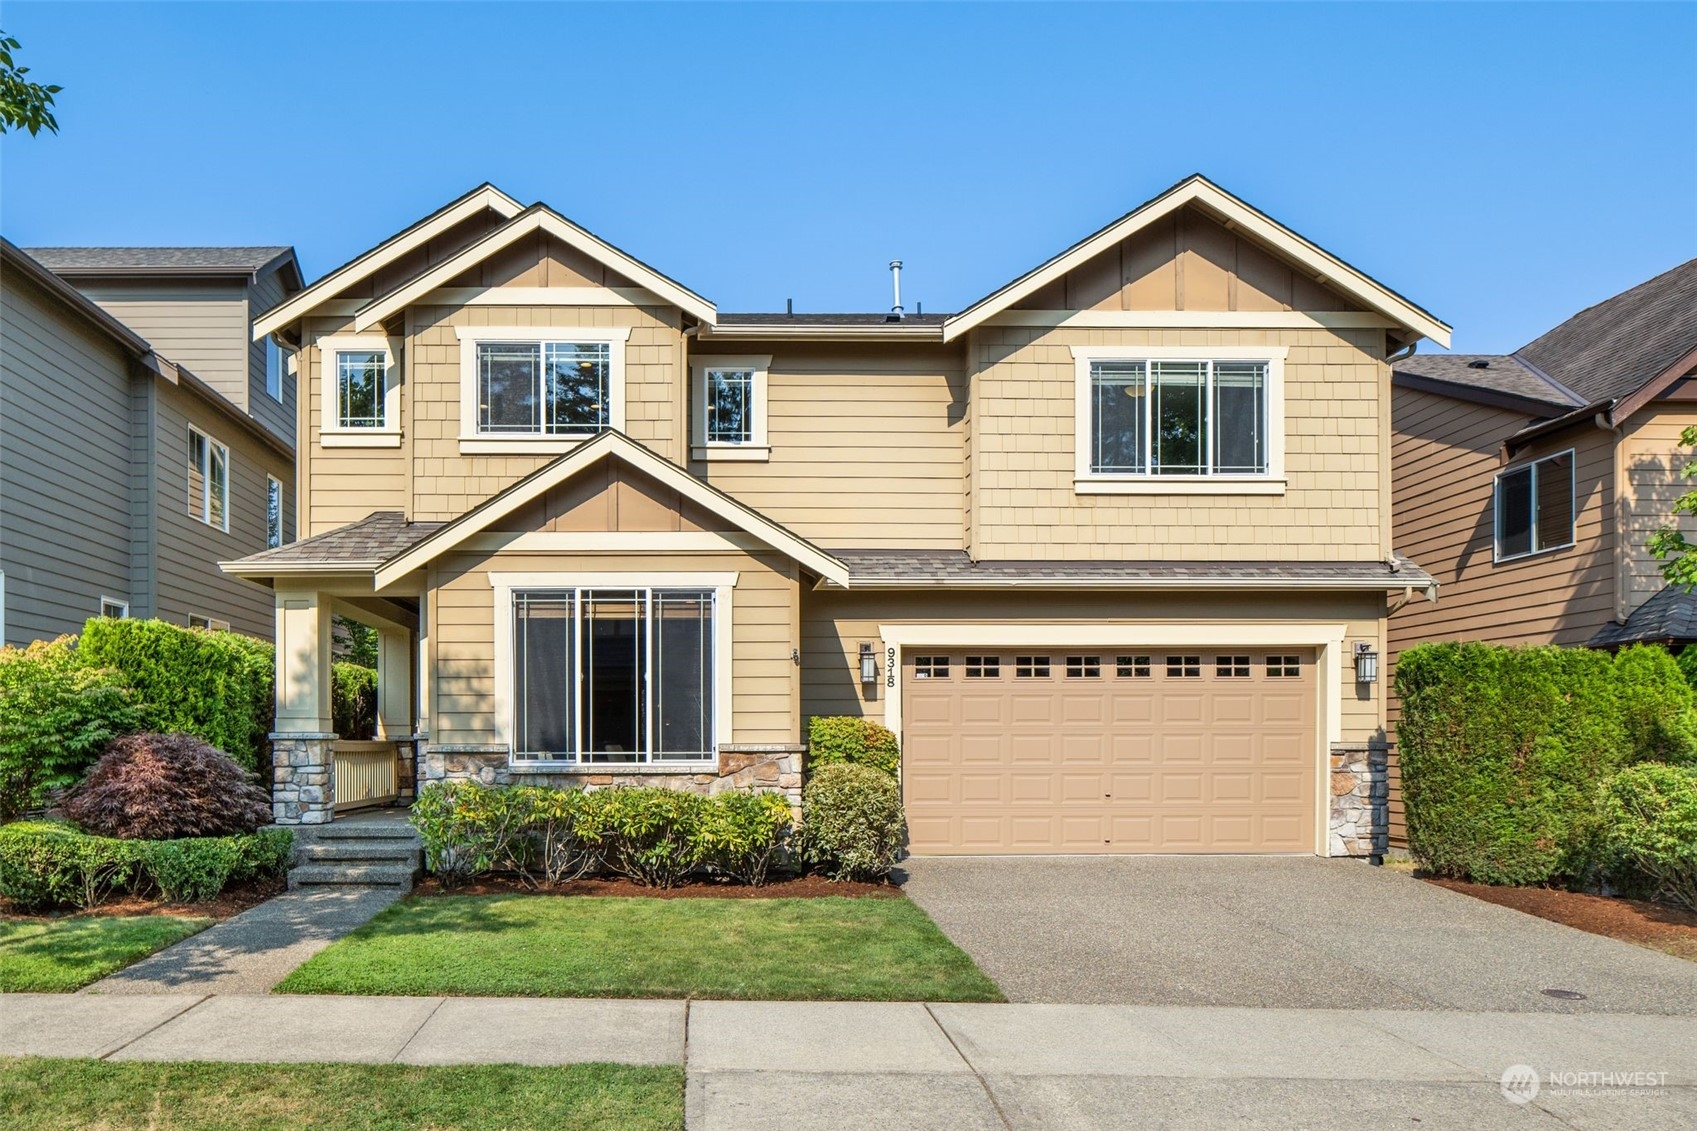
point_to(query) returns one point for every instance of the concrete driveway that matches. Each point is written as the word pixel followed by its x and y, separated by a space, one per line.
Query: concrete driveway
pixel 1295 932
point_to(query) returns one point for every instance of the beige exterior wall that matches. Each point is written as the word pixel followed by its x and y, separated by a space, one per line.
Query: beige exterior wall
pixel 835 623
pixel 1024 441
pixel 868 445
pixel 1650 459
pixel 201 326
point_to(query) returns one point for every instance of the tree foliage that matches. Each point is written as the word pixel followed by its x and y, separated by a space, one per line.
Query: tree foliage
pixel 24 105
pixel 1677 554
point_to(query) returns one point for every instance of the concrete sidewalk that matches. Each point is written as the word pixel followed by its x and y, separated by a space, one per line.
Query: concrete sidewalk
pixel 847 1065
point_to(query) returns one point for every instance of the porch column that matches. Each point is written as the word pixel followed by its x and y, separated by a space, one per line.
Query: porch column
pixel 302 759
pixel 394 683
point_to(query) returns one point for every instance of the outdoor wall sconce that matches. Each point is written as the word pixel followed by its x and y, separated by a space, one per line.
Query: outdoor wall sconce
pixel 1366 663
pixel 868 665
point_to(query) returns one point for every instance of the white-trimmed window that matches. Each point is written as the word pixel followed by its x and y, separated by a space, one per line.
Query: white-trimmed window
pixel 276 368
pixel 611 672
pixel 208 480
pixel 210 624
pixel 1535 507
pixel 530 389
pixel 113 607
pixel 360 398
pixel 729 412
pixel 1165 420
pixel 273 513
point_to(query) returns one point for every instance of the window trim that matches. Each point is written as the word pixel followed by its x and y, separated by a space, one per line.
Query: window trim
pixel 1497 555
pixel 333 435
pixel 473 442
pixel 1089 482
pixel 282 526
pixel 759 446
pixel 505 698
pixel 274 352
pixel 204 515
pixel 124 605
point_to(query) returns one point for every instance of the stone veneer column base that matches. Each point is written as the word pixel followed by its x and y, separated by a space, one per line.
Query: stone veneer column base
pixel 303 778
pixel 1360 798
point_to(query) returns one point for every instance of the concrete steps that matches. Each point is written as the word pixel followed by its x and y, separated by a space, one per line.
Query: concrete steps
pixel 376 850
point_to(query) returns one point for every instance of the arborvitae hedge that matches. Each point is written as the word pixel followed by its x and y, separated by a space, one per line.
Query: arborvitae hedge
pixel 1503 751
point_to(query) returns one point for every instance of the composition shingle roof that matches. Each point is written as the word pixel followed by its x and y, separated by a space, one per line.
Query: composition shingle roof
pixel 1614 348
pixel 1496 372
pixel 375 538
pixel 945 567
pixel 157 258
pixel 1670 617
pixel 831 320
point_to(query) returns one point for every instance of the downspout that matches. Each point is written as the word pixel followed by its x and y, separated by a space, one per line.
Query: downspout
pixel 1404 353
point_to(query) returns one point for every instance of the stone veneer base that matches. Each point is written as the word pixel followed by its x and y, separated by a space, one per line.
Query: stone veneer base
pixel 1359 822
pixel 303 778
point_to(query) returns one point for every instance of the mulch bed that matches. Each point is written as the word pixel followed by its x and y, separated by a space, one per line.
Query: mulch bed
pixel 1659 926
pixel 233 901
pixel 782 887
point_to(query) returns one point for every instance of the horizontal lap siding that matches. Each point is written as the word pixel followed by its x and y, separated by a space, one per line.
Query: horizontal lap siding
pixel 1445 455
pixel 343 485
pixel 279 416
pixel 462 635
pixel 868 448
pixel 203 329
pixel 65 473
pixel 1651 461
pixel 1024 503
pixel 835 624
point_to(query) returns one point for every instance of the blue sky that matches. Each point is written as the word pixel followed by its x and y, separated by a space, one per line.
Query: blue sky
pixel 1504 166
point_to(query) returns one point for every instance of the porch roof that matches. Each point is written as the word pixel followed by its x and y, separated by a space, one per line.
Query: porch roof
pixel 1670 617
pixel 359 546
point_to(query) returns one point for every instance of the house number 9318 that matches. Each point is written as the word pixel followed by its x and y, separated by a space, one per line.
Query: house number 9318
pixel 889 667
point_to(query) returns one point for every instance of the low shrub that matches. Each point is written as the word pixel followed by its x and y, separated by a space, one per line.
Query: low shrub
pixel 742 834
pixel 851 823
pixel 353 700
pixel 1502 751
pixel 161 786
pixel 468 829
pixel 216 685
pixel 47 864
pixel 1650 815
pixel 838 739
pixel 56 716
pixel 649 835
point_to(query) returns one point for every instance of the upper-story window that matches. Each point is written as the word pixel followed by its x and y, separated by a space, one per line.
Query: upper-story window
pixel 273 513
pixel 276 368
pixel 1170 421
pixel 1535 507
pixel 361 396
pixel 534 389
pixel 209 480
pixel 730 408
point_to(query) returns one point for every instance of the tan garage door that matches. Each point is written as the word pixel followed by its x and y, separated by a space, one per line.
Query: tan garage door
pixel 1066 750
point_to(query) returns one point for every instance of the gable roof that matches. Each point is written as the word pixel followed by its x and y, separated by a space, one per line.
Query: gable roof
pixel 1465 374
pixel 621 447
pixel 1615 348
pixel 165 260
pixel 1198 190
pixel 536 218
pixel 485 197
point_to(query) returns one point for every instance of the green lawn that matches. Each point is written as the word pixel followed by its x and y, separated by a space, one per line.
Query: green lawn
pixel 55 955
pixel 829 949
pixel 53 1095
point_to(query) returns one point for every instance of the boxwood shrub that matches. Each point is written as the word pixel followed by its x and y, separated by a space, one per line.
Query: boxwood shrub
pixel 1503 751
pixel 851 822
pixel 834 740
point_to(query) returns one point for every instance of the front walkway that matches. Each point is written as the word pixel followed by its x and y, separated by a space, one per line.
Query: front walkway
pixel 847 1065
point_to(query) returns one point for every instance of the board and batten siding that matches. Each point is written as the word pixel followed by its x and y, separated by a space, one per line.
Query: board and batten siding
pixel 65 446
pixel 201 326
pixel 834 624
pixel 187 550
pixel 868 447
pixel 1650 460
pixel 1024 505
pixel 764 605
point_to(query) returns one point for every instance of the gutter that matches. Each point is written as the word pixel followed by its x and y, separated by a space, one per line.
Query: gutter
pixel 1370 585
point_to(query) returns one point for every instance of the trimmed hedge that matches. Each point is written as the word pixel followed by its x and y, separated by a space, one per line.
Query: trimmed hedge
pixel 56 716
pixel 214 685
pixel 1650 812
pixel 852 822
pixel 1503 751
pixel 834 740
pixel 47 864
pixel 654 836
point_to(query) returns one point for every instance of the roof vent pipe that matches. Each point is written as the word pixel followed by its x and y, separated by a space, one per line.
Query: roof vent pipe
pixel 896 281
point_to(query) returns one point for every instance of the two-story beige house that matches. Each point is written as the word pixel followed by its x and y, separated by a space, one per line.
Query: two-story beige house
pixel 1110 550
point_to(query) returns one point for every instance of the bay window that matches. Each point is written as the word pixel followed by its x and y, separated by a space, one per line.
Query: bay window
pixel 613 675
pixel 539 390
pixel 1153 420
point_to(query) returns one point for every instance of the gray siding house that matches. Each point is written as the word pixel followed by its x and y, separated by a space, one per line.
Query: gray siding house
pixel 125 473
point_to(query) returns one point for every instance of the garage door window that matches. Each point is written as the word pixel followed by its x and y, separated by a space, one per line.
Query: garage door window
pixel 1231 667
pixel 1132 667
pixel 1284 667
pixel 930 667
pixel 1084 667
pixel 1031 667
pixel 983 667
pixel 1184 667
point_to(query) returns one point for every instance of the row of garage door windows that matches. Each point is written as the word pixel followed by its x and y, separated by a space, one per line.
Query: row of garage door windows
pixel 1090 667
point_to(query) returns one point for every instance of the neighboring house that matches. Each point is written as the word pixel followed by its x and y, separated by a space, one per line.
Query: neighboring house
pixel 124 476
pixel 1529 483
pixel 1110 550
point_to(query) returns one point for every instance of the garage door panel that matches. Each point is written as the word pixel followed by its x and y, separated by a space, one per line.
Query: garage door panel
pixel 1114 762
